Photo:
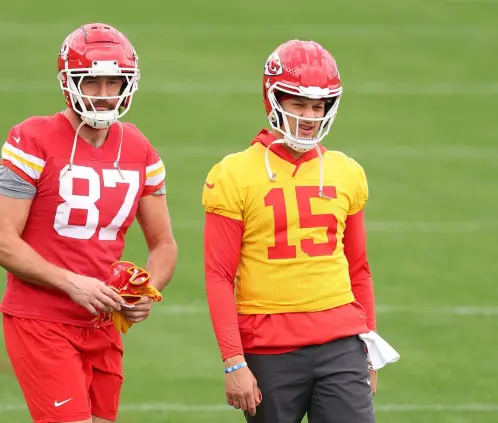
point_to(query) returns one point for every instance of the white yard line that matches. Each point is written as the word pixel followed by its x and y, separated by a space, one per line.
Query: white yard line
pixel 388 227
pixel 472 2
pixel 374 87
pixel 421 153
pixel 431 227
pixel 463 310
pixel 448 310
pixel 261 30
pixel 252 88
pixel 215 408
pixel 454 408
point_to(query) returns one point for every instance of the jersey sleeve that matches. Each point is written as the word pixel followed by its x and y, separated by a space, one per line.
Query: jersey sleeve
pixel 155 174
pixel 12 185
pixel 221 195
pixel 355 249
pixel 359 189
pixel 222 239
pixel 22 154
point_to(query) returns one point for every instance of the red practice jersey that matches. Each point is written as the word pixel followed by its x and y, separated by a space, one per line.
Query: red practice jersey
pixel 80 213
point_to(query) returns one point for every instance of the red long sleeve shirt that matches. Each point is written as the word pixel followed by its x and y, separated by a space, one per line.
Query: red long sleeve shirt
pixel 278 333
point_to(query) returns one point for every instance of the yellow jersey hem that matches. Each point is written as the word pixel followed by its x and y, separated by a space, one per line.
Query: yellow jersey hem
pixel 265 308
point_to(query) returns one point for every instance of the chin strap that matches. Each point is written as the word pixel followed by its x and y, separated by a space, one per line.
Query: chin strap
pixel 73 151
pixel 272 176
pixel 69 167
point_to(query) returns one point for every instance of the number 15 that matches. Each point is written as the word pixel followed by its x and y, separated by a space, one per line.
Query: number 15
pixel 282 250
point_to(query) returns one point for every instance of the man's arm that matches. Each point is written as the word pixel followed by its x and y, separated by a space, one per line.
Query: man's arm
pixel 355 249
pixel 222 241
pixel 154 219
pixel 17 257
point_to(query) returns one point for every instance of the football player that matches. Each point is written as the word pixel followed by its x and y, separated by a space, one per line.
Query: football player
pixel 70 186
pixel 284 228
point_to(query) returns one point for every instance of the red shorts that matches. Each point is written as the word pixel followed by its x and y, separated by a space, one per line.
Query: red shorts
pixel 67 373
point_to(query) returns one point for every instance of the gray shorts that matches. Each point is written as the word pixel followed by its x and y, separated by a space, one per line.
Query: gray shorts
pixel 328 382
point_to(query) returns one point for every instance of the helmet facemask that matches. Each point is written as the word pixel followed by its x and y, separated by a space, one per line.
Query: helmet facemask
pixel 278 117
pixel 70 82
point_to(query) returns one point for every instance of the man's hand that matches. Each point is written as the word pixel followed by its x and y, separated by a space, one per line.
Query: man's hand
pixel 373 381
pixel 132 285
pixel 93 294
pixel 241 388
pixel 140 311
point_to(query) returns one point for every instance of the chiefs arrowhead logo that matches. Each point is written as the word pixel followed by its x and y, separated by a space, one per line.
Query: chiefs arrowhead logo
pixel 64 51
pixel 273 66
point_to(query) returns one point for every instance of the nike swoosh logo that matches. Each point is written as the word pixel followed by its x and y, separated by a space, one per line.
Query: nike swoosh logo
pixel 16 139
pixel 58 404
pixel 210 186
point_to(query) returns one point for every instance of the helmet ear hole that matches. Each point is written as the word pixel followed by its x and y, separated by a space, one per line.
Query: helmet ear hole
pixel 74 80
pixel 276 118
pixel 122 90
pixel 129 83
pixel 329 103
pixel 273 116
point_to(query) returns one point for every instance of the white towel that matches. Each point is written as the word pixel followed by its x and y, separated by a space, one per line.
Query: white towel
pixel 379 351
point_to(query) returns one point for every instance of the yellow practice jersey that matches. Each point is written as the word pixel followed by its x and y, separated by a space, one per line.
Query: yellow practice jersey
pixel 292 255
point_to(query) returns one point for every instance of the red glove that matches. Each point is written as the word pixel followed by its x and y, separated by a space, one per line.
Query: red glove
pixel 131 283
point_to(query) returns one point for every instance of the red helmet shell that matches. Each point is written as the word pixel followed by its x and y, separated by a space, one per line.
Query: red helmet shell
pixel 94 43
pixel 296 64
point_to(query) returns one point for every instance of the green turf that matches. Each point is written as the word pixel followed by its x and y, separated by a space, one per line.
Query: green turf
pixel 418 112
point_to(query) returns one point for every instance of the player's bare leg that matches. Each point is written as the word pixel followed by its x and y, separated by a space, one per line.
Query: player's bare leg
pixel 100 420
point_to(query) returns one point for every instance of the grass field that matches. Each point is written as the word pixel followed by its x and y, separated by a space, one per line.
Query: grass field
pixel 420 99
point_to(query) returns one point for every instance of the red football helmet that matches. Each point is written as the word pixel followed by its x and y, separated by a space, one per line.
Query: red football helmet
pixel 97 50
pixel 302 68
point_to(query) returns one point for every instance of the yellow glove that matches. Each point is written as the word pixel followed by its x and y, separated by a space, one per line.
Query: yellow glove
pixel 131 283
